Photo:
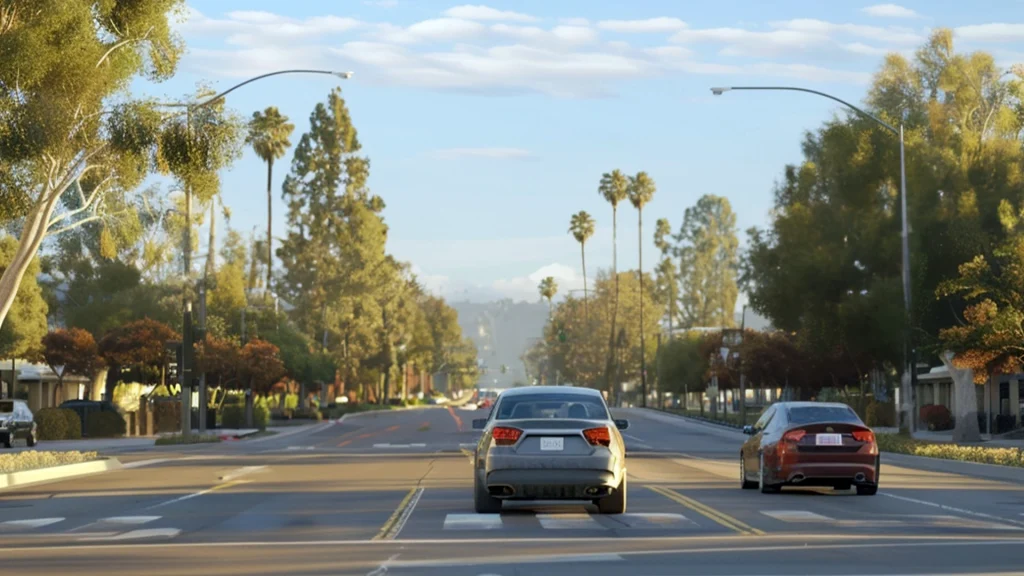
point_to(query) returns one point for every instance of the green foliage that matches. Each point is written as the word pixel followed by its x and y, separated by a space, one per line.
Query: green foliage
pixel 26 322
pixel 901 444
pixel 548 288
pixel 178 439
pixel 880 415
pixel 52 423
pixel 105 424
pixel 74 349
pixel 260 366
pixel 708 256
pixel 137 344
pixel 74 424
pixel 36 459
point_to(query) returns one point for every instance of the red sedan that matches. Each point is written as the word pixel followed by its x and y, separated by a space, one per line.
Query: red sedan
pixel 809 444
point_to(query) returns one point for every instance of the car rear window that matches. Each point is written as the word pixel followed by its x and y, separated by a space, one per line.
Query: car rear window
pixel 812 414
pixel 561 406
pixel 6 407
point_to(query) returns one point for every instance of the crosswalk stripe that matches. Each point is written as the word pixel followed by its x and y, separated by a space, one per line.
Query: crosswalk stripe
pixel 796 516
pixel 569 522
pixel 135 520
pixel 30 523
pixel 138 534
pixel 472 521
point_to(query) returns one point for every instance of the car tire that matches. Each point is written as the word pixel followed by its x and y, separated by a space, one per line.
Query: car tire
pixel 483 502
pixel 842 486
pixel 30 440
pixel 6 441
pixel 764 486
pixel 744 483
pixel 867 489
pixel 616 502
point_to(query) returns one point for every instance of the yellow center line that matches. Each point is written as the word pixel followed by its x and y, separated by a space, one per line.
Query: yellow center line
pixel 395 516
pixel 719 517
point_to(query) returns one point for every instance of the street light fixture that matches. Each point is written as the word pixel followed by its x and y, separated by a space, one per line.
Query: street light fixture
pixel 909 353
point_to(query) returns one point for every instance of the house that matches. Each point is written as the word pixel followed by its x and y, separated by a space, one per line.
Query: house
pixel 999 396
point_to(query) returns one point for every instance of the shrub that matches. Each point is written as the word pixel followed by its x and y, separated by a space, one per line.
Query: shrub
pixel 105 424
pixel 35 459
pixel 74 424
pixel 51 424
pixel 260 414
pixel 880 415
pixel 232 415
pixel 902 444
pixel 936 417
pixel 175 439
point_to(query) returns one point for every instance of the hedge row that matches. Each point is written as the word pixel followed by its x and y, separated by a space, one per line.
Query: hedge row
pixel 901 444
pixel 34 459
pixel 64 424
pixel 175 439
pixel 233 415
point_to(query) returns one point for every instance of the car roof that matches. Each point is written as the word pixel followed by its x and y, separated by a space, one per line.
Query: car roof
pixel 813 405
pixel 512 392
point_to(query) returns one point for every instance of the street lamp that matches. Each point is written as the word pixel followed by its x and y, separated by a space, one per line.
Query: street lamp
pixel 187 336
pixel 909 353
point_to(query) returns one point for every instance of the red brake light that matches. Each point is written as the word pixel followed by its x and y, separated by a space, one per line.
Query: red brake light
pixel 794 436
pixel 598 436
pixel 866 436
pixel 506 436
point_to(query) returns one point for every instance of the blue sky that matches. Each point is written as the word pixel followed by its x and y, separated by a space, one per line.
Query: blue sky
pixel 487 126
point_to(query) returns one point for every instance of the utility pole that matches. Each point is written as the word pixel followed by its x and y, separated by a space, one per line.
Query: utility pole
pixel 743 378
pixel 187 361
pixel 202 373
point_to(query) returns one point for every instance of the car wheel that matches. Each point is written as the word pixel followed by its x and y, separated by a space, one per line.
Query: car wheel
pixel 30 440
pixel 616 502
pixel 761 483
pixel 483 502
pixel 7 441
pixel 842 486
pixel 744 482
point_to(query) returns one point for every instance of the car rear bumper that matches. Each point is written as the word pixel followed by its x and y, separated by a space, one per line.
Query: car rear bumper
pixel 551 484
pixel 810 470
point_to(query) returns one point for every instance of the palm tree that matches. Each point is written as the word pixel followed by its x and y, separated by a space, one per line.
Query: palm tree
pixel 548 288
pixel 268 135
pixel 614 188
pixel 581 226
pixel 641 191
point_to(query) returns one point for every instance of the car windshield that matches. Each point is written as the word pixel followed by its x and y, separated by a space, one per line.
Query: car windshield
pixel 809 414
pixel 565 405
pixel 6 407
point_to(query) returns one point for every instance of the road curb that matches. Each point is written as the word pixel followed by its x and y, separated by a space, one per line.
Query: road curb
pixel 26 477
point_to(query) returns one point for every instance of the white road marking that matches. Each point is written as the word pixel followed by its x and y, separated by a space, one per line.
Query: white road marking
pixel 241 472
pixel 141 463
pixel 953 509
pixel 581 521
pixel 191 496
pixel 511 560
pixel 418 445
pixel 137 535
pixel 386 445
pixel 472 521
pixel 639 442
pixel 129 519
pixel 796 516
pixel 383 568
pixel 33 523
pixel 652 520
pixel 296 448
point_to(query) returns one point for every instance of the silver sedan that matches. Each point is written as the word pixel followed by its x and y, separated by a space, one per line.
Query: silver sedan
pixel 550 443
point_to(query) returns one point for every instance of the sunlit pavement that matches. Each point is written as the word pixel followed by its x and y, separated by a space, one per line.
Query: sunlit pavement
pixel 389 493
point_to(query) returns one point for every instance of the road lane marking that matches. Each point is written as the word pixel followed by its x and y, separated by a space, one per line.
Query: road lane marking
pixel 383 568
pixel 394 525
pixel 652 520
pixel 639 442
pixel 141 463
pixel 954 509
pixel 712 514
pixel 129 519
pixel 510 560
pixel 197 494
pixel 569 521
pixel 136 535
pixel 796 516
pixel 472 522
pixel 238 473
pixel 32 523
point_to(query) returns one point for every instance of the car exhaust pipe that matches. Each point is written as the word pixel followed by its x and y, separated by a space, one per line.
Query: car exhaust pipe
pixel 501 491
pixel 798 478
pixel 859 477
pixel 596 491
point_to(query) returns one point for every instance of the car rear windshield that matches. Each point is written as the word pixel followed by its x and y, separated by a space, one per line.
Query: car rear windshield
pixel 6 407
pixel 565 405
pixel 812 414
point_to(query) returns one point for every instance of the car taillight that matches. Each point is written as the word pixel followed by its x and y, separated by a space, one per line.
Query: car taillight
pixel 506 436
pixel 866 436
pixel 598 436
pixel 794 436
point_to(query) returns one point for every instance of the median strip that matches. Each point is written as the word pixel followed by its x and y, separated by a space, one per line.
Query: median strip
pixel 712 514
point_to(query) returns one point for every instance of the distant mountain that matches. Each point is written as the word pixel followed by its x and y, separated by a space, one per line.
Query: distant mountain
pixel 502 331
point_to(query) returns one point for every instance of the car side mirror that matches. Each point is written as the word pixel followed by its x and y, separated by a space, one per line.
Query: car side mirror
pixel 479 423
pixel 622 424
pixel 748 430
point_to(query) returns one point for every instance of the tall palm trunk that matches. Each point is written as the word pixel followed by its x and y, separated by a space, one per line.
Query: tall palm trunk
pixel 615 306
pixel 270 208
pixel 586 304
pixel 643 355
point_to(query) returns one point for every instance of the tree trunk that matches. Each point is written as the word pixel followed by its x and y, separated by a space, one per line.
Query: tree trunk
pixel 211 253
pixel 586 303
pixel 28 245
pixel 270 237
pixel 610 364
pixel 57 388
pixel 966 423
pixel 643 350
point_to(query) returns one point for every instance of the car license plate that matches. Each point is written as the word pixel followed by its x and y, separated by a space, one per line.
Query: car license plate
pixel 828 439
pixel 552 444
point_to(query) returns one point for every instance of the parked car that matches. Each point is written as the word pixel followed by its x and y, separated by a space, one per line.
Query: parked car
pixel 550 443
pixel 16 423
pixel 85 407
pixel 809 444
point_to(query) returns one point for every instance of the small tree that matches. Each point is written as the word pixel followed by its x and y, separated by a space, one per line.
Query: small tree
pixel 140 344
pixel 221 360
pixel 74 349
pixel 261 367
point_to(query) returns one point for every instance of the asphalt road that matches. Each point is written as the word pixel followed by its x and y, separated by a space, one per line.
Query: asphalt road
pixel 390 494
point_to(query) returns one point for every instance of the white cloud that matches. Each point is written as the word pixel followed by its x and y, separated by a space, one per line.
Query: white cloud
pixel 252 28
pixel 493 153
pixel 575 21
pixel 889 11
pixel 381 3
pixel 437 29
pixel 993 32
pixel 525 287
pixel 662 24
pixel 477 12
